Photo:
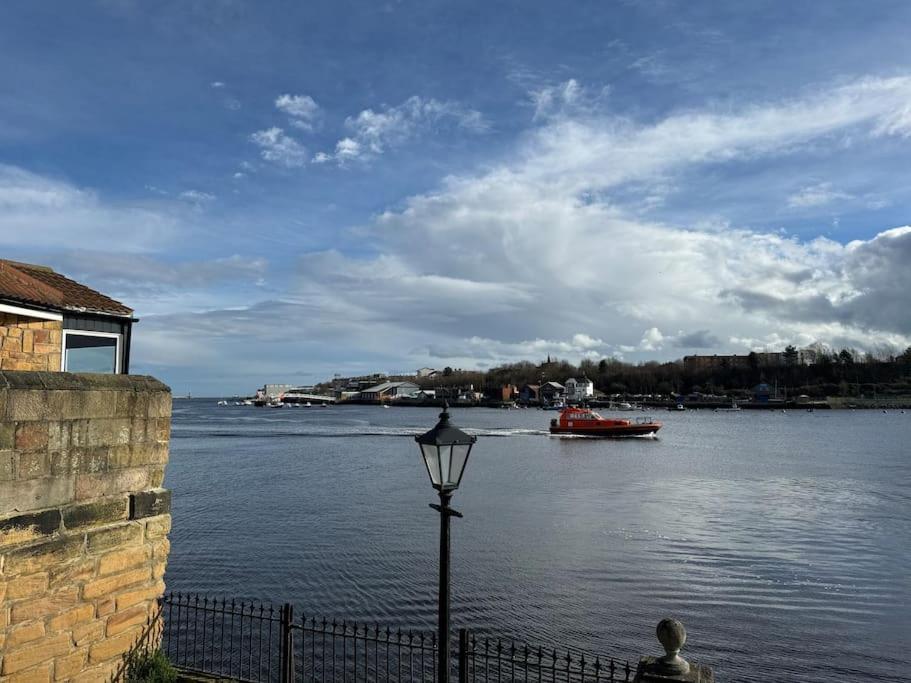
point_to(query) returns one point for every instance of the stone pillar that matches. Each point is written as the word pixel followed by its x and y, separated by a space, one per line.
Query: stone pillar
pixel 83 520
pixel 671 667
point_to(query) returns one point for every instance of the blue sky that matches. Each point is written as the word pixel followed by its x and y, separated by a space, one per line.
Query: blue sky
pixel 285 190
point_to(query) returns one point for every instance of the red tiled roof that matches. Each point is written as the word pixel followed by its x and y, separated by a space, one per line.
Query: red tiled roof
pixel 39 285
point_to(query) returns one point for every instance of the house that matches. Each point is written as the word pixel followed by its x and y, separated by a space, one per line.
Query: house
pixel 551 391
pixel 425 372
pixel 529 393
pixel 578 390
pixel 389 391
pixel 49 322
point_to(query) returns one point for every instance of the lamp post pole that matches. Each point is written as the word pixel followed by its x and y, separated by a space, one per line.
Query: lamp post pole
pixel 443 647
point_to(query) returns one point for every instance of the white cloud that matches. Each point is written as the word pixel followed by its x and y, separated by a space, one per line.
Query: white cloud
pixel 513 253
pixel 277 146
pixel 217 84
pixel 196 197
pixel 651 340
pixel 568 97
pixel 302 110
pixel 38 211
pixel 373 132
pixel 816 195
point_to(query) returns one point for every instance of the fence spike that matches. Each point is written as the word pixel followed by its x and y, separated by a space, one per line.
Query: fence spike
pixel 597 664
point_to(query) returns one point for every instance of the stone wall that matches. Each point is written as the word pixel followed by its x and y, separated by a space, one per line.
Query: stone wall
pixel 30 344
pixel 83 520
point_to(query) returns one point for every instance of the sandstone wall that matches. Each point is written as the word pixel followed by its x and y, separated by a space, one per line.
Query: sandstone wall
pixel 83 520
pixel 30 344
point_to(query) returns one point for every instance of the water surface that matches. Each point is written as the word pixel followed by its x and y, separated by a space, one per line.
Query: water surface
pixel 781 540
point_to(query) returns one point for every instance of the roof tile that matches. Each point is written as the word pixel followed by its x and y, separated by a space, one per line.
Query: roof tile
pixel 38 285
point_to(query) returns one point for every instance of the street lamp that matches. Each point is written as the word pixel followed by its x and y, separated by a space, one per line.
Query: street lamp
pixel 445 450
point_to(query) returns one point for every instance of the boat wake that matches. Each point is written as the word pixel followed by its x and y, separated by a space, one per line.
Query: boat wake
pixel 340 432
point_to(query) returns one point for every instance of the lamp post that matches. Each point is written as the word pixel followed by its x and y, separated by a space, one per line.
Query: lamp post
pixel 445 450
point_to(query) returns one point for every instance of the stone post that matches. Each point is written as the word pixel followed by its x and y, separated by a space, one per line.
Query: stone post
pixel 671 667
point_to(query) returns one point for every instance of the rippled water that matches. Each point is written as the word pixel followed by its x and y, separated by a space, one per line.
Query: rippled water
pixel 781 540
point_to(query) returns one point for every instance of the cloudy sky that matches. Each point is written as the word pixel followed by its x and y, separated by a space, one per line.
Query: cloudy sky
pixel 287 190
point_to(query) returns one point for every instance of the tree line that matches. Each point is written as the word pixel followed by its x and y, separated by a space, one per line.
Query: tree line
pixel 842 372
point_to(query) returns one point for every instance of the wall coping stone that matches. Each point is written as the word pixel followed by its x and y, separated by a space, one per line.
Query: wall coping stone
pixel 70 381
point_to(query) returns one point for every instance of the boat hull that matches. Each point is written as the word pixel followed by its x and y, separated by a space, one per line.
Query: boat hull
pixel 612 432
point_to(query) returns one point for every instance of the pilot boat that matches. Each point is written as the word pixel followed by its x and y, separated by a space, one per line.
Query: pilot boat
pixel 589 423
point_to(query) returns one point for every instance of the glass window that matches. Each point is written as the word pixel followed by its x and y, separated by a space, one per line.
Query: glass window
pixel 89 353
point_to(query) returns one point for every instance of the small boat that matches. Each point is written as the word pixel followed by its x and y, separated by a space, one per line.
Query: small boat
pixel 586 422
pixel 222 403
pixel 678 408
pixel 733 409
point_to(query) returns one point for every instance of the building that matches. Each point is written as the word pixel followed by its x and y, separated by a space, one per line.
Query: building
pixel 551 391
pixel 49 322
pixel 423 373
pixel 276 390
pixel 579 389
pixel 761 359
pixel 529 393
pixel 389 391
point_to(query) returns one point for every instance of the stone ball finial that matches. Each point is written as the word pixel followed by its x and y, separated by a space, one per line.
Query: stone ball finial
pixel 672 636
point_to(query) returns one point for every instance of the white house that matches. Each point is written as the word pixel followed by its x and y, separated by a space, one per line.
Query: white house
pixel 579 389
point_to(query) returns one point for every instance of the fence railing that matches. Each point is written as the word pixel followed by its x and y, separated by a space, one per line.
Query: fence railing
pixel 493 659
pixel 251 641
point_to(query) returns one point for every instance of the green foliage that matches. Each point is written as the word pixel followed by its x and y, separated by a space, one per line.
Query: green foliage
pixel 151 667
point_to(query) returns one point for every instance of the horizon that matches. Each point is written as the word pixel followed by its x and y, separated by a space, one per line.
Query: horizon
pixel 286 193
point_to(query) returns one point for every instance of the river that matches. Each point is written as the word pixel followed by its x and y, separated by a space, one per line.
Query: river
pixel 781 540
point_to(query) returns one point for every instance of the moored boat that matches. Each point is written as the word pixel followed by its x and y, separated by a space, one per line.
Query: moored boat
pixel 586 422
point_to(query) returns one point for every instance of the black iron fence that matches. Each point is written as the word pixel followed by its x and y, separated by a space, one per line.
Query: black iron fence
pixel 250 641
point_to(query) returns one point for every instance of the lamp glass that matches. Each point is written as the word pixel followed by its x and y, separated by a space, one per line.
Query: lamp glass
pixel 457 462
pixel 431 455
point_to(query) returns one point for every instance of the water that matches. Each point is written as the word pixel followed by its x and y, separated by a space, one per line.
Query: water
pixel 781 540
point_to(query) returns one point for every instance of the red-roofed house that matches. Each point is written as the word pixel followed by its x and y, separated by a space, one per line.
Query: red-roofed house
pixel 49 322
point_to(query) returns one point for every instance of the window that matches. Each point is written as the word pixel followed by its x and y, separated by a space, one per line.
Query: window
pixel 91 352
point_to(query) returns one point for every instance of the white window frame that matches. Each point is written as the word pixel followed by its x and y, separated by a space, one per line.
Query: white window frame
pixel 88 333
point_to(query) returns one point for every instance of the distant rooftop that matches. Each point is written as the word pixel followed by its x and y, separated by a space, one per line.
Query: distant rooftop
pixel 40 286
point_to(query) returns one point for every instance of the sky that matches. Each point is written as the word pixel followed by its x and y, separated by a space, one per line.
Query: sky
pixel 284 191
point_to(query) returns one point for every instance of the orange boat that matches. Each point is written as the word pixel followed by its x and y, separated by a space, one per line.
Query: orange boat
pixel 589 423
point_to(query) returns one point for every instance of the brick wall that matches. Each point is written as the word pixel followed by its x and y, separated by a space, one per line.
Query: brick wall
pixel 29 344
pixel 83 520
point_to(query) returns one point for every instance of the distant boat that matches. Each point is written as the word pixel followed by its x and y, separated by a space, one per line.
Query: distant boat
pixel 222 403
pixel 733 409
pixel 679 407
